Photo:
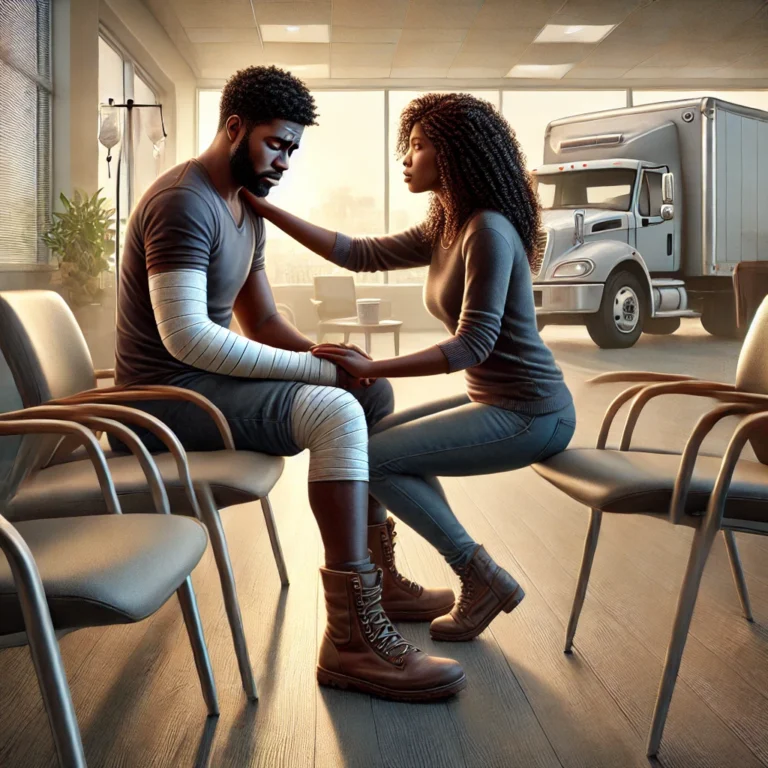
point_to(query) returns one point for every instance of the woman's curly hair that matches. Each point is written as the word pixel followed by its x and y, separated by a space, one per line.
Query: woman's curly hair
pixel 480 164
pixel 262 94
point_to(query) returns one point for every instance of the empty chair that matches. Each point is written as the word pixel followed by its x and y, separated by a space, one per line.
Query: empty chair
pixel 51 362
pixel 71 573
pixel 335 302
pixel 710 493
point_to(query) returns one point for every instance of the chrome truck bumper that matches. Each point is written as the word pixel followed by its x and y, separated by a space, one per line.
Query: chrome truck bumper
pixel 571 298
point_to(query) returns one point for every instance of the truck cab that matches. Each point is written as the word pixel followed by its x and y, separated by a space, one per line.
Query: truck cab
pixel 646 211
pixel 596 214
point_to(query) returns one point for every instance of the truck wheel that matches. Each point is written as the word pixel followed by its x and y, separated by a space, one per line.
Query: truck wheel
pixel 661 326
pixel 718 316
pixel 619 321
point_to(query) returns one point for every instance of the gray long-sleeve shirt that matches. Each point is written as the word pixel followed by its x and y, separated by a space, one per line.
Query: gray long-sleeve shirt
pixel 480 289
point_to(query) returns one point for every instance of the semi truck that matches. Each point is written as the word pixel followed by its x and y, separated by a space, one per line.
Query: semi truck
pixel 645 213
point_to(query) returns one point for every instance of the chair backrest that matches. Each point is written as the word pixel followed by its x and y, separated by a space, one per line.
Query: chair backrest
pixel 18 455
pixel 41 338
pixel 45 352
pixel 337 292
pixel 750 283
pixel 752 368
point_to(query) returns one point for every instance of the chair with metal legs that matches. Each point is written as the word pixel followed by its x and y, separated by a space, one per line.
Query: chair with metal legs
pixel 71 573
pixel 710 493
pixel 48 353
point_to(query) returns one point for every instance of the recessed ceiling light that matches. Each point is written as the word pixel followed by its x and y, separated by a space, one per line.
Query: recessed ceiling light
pixel 290 33
pixel 307 71
pixel 550 71
pixel 574 33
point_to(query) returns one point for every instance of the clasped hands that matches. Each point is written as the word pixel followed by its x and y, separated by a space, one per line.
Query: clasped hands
pixel 354 365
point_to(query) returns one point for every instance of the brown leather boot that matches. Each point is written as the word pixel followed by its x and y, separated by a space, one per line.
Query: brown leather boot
pixel 361 649
pixel 403 599
pixel 486 590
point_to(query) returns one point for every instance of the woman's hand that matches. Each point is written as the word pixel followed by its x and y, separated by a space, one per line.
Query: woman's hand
pixel 258 204
pixel 354 362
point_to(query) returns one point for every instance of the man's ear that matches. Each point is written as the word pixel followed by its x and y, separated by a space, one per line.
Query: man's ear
pixel 232 127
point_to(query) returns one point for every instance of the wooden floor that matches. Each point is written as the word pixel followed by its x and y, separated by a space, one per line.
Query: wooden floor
pixel 526 705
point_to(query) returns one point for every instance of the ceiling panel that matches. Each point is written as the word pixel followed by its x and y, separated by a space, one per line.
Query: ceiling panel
pixel 293 13
pixel 500 37
pixel 582 72
pixel 430 55
pixel 370 13
pixel 362 35
pixel 439 16
pixel 199 13
pixel 590 12
pixel 556 53
pixel 418 73
pixel 222 35
pixel 497 57
pixel 360 55
pixel 506 14
pixel 419 36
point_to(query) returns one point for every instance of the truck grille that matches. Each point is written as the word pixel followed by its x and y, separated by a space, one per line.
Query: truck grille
pixel 541 252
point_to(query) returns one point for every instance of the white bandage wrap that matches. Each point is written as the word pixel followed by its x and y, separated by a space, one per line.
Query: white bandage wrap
pixel 331 424
pixel 180 303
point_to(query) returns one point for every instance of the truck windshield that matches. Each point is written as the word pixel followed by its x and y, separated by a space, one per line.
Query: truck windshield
pixel 609 188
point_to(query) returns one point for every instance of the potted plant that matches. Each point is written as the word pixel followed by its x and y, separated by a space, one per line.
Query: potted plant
pixel 83 238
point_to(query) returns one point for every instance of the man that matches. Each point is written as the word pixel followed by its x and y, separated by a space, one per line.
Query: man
pixel 194 254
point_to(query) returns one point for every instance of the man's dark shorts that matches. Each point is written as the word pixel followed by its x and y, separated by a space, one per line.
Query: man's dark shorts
pixel 258 412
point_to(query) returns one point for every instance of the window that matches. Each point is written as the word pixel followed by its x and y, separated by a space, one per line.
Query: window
pixel 609 188
pixel 25 129
pixel 650 194
pixel 336 179
pixel 529 113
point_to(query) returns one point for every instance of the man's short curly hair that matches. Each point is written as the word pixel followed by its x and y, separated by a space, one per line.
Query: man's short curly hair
pixel 262 94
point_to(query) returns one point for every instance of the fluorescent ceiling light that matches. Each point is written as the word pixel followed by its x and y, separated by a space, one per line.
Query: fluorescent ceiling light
pixel 574 33
pixel 290 33
pixel 308 71
pixel 549 71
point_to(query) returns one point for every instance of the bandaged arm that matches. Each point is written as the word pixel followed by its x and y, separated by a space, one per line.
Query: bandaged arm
pixel 179 234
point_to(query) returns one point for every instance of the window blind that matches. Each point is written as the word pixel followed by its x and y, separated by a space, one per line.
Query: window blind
pixel 25 129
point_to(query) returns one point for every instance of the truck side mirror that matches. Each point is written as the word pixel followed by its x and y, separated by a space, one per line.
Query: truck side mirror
pixel 578 228
pixel 668 189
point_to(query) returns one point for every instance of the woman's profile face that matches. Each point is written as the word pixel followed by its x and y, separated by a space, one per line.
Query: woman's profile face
pixel 420 163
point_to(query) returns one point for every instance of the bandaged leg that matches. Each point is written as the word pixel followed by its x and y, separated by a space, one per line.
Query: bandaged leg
pixel 331 424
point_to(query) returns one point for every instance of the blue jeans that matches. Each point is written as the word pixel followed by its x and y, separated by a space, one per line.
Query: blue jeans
pixel 454 438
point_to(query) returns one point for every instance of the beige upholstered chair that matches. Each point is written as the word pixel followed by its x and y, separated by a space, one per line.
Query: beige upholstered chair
pixel 711 493
pixel 47 352
pixel 75 572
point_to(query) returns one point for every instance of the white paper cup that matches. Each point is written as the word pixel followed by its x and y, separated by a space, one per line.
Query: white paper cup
pixel 368 311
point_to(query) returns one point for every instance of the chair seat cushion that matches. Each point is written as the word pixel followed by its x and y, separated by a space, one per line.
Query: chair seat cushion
pixel 104 569
pixel 642 482
pixel 72 488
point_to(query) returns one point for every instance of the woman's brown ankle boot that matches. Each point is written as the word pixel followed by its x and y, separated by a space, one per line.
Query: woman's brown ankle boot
pixel 486 590
pixel 362 651
pixel 403 599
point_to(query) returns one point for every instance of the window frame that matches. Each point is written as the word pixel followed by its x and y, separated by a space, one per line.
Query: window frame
pixel 43 82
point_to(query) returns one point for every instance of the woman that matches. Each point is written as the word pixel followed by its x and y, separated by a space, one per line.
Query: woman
pixel 478 239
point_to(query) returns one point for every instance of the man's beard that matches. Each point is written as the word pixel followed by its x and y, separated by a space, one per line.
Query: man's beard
pixel 242 170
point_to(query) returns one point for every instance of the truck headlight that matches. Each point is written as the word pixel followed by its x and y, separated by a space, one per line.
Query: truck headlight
pixel 574 269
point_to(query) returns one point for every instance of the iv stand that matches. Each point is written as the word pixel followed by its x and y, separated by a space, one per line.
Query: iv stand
pixel 129 106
